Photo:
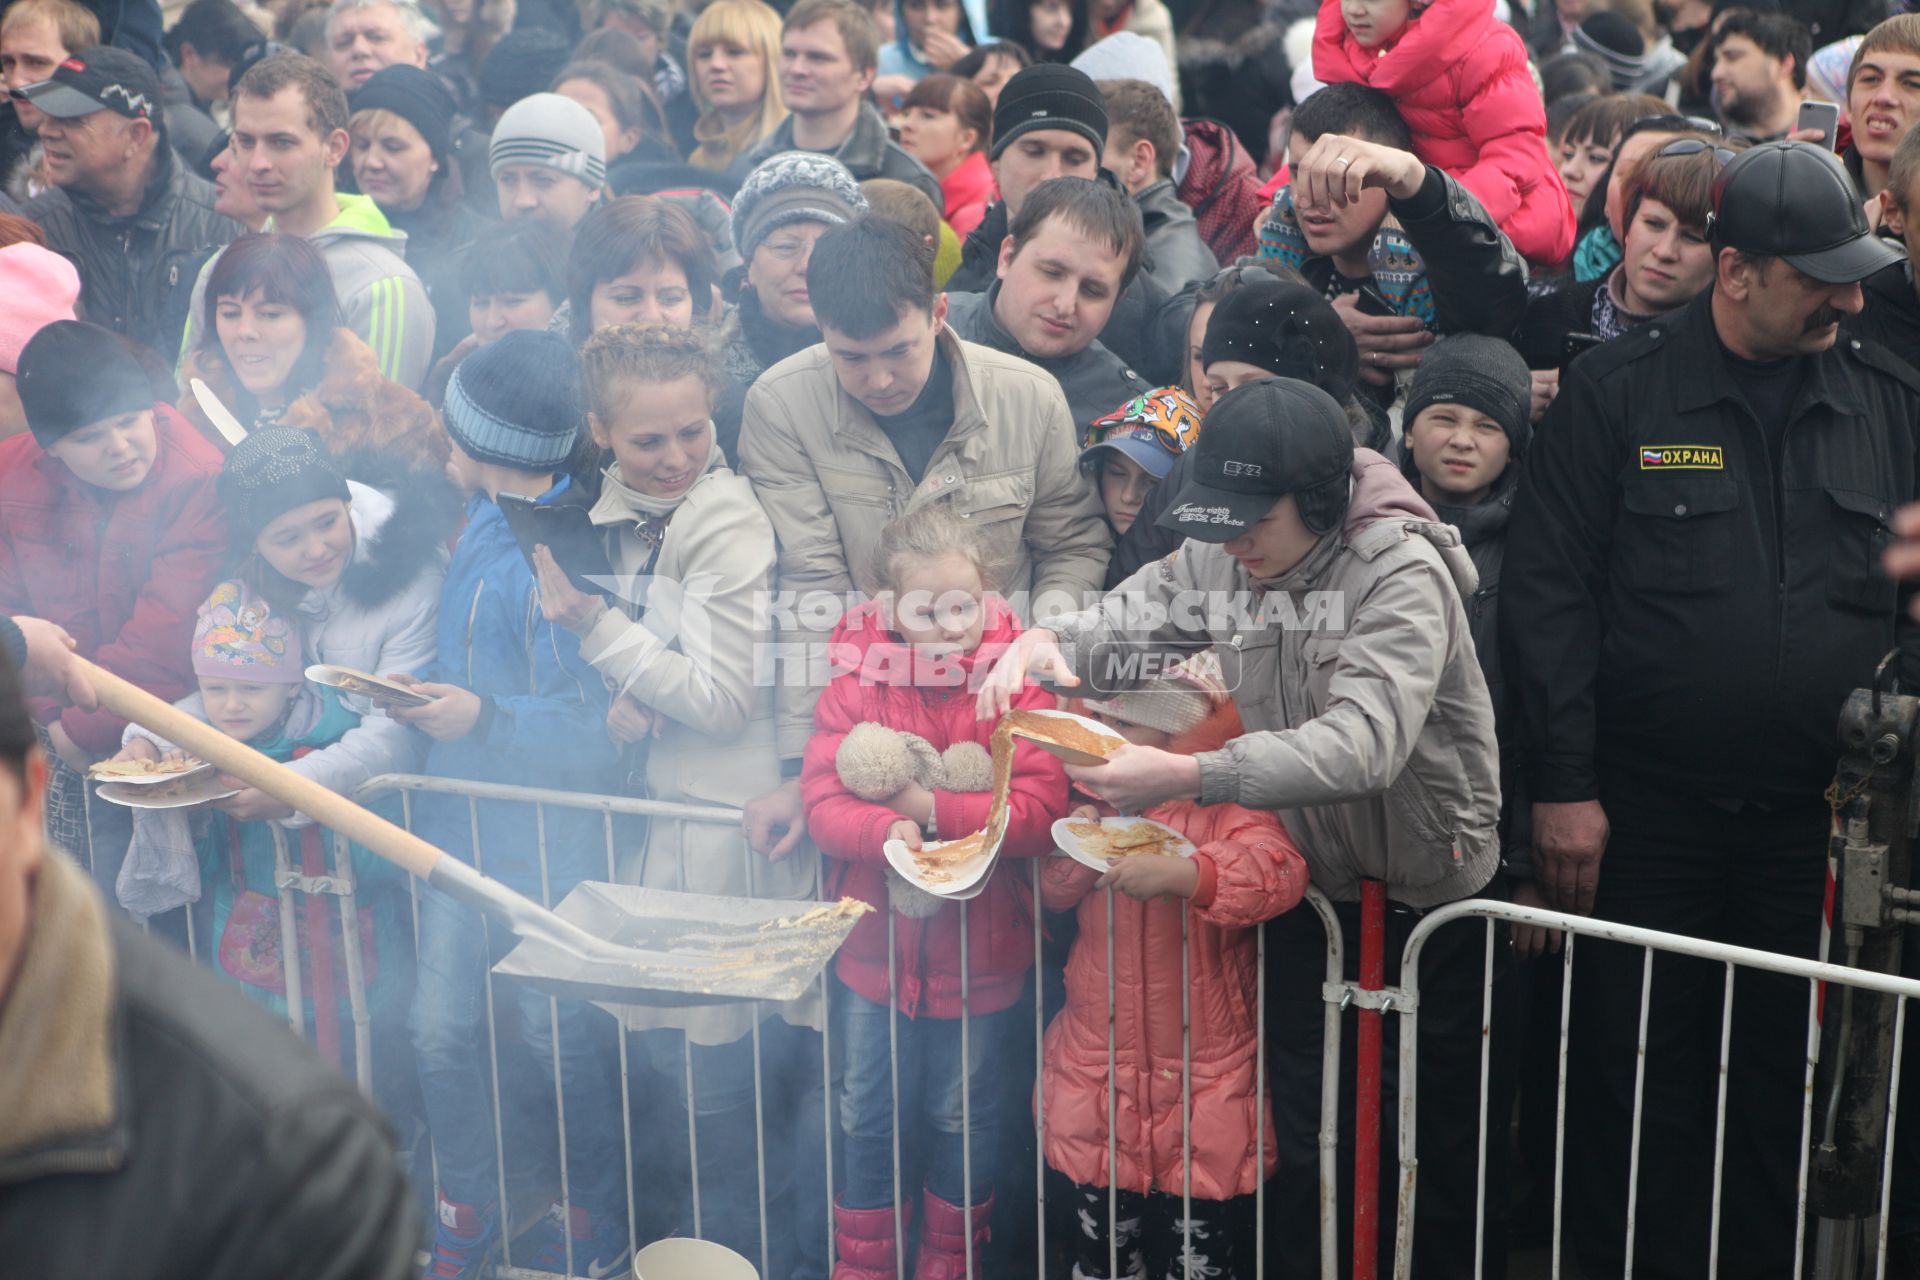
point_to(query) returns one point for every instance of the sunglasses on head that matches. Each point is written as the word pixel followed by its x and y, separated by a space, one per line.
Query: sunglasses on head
pixel 1678 124
pixel 1722 156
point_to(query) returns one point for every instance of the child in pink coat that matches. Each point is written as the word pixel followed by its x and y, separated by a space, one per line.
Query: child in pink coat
pixel 1245 870
pixel 1460 80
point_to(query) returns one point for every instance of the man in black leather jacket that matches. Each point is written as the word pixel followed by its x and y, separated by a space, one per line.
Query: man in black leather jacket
pixel 134 221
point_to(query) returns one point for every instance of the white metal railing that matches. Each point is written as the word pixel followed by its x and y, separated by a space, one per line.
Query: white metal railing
pixel 1338 992
pixel 1815 973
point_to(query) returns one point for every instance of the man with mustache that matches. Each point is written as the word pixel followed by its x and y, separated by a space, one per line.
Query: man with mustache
pixel 1692 589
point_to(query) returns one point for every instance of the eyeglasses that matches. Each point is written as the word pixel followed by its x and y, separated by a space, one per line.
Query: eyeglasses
pixel 1722 156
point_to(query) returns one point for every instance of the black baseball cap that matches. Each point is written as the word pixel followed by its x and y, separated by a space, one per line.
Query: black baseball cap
pixel 1263 440
pixel 1794 200
pixel 101 78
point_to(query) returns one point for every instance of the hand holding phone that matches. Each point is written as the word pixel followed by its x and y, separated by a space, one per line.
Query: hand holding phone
pixel 1823 116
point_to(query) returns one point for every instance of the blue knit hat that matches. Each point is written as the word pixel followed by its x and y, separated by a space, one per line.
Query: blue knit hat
pixel 516 401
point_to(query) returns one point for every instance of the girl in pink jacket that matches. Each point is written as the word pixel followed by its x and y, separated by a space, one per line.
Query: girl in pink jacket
pixel 1460 80
pixel 1246 870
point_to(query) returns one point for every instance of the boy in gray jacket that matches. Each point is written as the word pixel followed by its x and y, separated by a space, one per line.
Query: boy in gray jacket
pixel 1333 598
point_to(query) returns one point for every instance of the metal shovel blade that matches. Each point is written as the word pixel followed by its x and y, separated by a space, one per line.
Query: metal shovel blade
pixel 666 948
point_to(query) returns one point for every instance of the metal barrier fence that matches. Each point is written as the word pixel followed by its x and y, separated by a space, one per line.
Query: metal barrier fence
pixel 1405 1001
pixel 1373 998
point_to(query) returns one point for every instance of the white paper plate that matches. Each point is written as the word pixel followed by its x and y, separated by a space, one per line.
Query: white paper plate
pixel 1068 753
pixel 382 691
pixel 1070 843
pixel 969 879
pixel 150 779
pixel 205 787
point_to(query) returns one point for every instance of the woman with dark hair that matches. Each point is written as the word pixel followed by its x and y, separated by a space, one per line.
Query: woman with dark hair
pixel 270 344
pixel 514 277
pixel 1049 30
pixel 946 128
pixel 638 260
pixel 401 156
pixel 628 112
pixel 991 65
pixel 648 60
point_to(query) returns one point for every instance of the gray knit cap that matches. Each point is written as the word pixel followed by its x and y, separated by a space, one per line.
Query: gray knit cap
pixel 794 186
pixel 1484 374
pixel 547 129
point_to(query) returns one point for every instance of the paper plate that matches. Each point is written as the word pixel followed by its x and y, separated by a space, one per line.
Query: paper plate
pixel 365 685
pixel 202 788
pixel 147 779
pixel 1069 754
pixel 1070 843
pixel 966 880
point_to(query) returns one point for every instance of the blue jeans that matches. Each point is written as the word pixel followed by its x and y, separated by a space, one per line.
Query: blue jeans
pixel 793 1104
pixel 930 1100
pixel 448 1023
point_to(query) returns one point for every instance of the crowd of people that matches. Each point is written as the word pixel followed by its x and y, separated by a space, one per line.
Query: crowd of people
pixel 1452 445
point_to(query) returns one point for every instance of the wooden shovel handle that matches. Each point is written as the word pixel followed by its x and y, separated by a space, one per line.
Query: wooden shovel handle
pixel 329 808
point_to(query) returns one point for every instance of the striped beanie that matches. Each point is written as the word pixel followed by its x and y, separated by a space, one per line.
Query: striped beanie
pixel 547 129
pixel 516 401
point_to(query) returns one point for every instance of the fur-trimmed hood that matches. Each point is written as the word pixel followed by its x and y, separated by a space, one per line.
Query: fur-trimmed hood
pixel 403 519
pixel 354 409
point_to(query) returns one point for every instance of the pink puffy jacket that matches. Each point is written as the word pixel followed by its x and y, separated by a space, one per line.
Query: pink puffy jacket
pixel 1250 871
pixel 1460 80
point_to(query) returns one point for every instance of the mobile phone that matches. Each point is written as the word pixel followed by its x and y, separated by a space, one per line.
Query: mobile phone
pixel 577 544
pixel 1576 343
pixel 1824 116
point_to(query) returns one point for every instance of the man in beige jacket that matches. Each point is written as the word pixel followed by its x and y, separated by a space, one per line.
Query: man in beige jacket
pixel 890 413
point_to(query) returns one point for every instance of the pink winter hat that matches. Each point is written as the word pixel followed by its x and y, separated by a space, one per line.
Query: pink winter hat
pixel 238 637
pixel 40 287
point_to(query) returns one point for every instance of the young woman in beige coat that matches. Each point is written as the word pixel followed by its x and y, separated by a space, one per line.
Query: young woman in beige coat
pixel 683 650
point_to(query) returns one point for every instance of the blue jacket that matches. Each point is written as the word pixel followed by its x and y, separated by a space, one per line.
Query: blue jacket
pixel 547 726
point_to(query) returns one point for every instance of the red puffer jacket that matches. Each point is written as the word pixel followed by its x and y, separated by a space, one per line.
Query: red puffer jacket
pixel 1250 871
pixel 124 573
pixel 875 686
pixel 1460 80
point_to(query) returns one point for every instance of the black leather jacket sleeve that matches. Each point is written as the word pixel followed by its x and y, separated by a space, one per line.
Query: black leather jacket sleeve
pixel 1478 278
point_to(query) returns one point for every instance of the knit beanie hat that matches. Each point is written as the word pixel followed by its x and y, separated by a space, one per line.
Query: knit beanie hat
pixel 415 95
pixel 516 402
pixel 794 186
pixel 1615 41
pixel 522 63
pixel 1127 55
pixel 72 374
pixel 1289 330
pixel 269 473
pixel 1484 374
pixel 547 129
pixel 1049 95
pixel 40 287
pixel 239 637
pixel 1172 703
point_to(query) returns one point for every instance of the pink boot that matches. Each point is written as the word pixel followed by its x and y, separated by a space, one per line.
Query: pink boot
pixel 943 1239
pixel 864 1242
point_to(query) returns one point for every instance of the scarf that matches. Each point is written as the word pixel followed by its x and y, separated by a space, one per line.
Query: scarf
pixel 1596 254
pixel 619 501
pixel 721 143
pixel 1610 318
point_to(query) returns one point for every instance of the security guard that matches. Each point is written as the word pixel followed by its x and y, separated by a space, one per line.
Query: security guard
pixel 1692 589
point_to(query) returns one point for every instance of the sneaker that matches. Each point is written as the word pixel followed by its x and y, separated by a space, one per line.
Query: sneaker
pixel 600 1247
pixel 463 1242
